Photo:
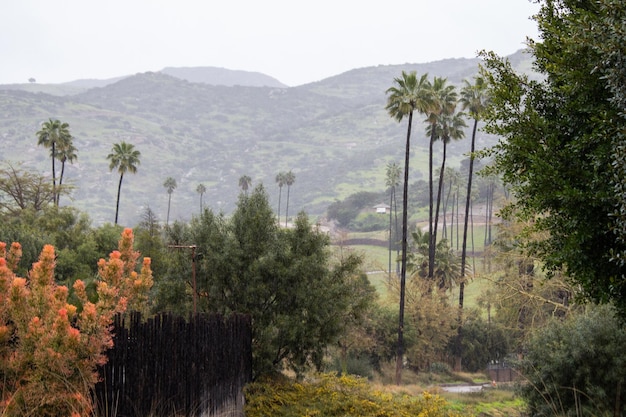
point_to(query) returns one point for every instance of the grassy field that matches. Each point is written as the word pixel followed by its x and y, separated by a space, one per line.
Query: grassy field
pixel 376 264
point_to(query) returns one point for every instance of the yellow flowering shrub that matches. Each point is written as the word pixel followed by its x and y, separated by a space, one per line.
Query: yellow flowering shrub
pixel 328 395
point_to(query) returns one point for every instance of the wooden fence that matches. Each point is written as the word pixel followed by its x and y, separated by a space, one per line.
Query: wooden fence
pixel 167 365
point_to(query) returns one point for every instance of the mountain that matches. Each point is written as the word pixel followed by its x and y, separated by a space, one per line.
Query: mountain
pixel 334 134
pixel 223 76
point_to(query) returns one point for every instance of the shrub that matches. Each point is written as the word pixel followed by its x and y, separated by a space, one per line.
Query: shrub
pixel 329 395
pixel 49 348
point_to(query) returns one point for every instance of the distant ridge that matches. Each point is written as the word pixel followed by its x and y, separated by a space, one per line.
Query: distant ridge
pixel 223 76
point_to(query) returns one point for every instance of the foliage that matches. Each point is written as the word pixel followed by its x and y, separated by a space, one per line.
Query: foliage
pixel 577 367
pixel 346 211
pixel 49 348
pixel 560 137
pixel 21 189
pixel 299 297
pixel 328 395
pixel 483 342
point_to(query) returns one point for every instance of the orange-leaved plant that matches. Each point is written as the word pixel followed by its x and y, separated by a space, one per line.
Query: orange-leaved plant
pixel 49 348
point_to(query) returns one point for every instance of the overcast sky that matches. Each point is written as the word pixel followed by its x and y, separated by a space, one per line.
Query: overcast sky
pixel 294 41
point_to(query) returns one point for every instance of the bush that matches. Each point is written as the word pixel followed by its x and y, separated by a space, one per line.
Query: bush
pixel 577 366
pixel 329 395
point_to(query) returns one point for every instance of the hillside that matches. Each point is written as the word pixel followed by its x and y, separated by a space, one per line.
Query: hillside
pixel 334 134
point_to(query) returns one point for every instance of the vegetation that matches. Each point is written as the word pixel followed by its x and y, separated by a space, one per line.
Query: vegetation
pixel 125 158
pixel 560 147
pixel 50 348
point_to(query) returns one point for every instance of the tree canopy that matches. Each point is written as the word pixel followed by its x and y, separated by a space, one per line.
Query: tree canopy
pixel 561 151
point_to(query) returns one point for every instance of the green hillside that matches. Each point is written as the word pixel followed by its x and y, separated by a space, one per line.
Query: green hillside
pixel 333 134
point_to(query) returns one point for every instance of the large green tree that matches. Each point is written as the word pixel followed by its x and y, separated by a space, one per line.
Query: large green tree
pixel 560 142
pixel 297 295
pixel 407 95
pixel 125 158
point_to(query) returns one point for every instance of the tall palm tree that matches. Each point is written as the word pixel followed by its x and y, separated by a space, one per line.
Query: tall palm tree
pixel 66 152
pixel 280 180
pixel 444 102
pixel 125 158
pixel 407 95
pixel 450 126
pixel 244 183
pixel 392 180
pixel 290 178
pixel 51 133
pixel 201 189
pixel 475 99
pixel 170 186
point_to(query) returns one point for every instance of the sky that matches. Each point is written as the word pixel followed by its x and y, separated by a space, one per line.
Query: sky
pixel 294 41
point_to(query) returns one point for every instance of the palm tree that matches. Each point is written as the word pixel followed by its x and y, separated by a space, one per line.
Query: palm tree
pixel 52 132
pixel 201 189
pixel 408 94
pixel 444 102
pixel 450 126
pixel 474 98
pixel 125 158
pixel 244 182
pixel 392 180
pixel 290 178
pixel 66 152
pixel 280 180
pixel 170 186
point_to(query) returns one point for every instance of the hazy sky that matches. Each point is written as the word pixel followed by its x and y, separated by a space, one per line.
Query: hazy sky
pixel 292 40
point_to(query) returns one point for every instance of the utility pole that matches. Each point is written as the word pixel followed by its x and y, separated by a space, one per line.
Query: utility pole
pixel 193 271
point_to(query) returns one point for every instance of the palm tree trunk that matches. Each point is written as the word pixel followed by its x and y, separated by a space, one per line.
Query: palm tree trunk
pixel 431 233
pixel 287 206
pixel 54 175
pixel 395 201
pixel 60 182
pixel 280 193
pixel 390 224
pixel 169 200
pixel 405 195
pixel 468 200
pixel 440 190
pixel 117 206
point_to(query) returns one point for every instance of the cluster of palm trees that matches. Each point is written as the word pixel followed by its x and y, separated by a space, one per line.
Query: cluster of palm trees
pixel 282 179
pixel 438 101
pixel 56 136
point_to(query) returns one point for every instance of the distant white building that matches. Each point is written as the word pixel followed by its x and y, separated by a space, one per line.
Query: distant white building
pixel 382 208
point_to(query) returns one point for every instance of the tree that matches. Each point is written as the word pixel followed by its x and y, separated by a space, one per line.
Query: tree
pixel 52 133
pixel 576 366
pixel 407 95
pixel 474 99
pixel 290 178
pixel 392 180
pixel 66 152
pixel 170 186
pixel 201 189
pixel 125 158
pixel 245 182
pixel 280 180
pixel 444 103
pixel 21 190
pixel 286 279
pixel 561 138
pixel 450 126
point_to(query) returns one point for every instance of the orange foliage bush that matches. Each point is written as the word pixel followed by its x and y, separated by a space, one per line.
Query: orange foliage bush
pixel 50 349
